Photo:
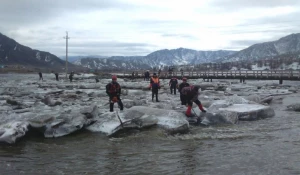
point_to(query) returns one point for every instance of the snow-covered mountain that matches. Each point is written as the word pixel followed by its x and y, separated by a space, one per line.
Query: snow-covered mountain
pixel 13 53
pixel 285 45
pixel 77 57
pixel 112 63
pixel 180 56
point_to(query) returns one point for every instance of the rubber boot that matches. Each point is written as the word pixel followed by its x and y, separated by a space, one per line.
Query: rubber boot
pixel 111 107
pixel 188 111
pixel 201 108
pixel 120 105
pixel 152 96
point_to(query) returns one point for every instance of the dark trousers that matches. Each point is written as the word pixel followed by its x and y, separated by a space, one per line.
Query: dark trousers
pixel 56 76
pixel 111 104
pixel 182 99
pixel 155 92
pixel 41 78
pixel 173 88
pixel 190 103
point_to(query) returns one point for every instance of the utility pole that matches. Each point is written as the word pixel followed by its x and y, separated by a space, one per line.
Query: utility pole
pixel 66 53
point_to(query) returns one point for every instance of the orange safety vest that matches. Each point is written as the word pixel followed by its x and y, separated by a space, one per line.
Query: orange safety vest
pixel 155 80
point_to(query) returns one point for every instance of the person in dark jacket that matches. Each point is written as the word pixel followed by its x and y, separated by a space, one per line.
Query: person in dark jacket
pixel 56 76
pixel 190 94
pixel 182 85
pixel 71 76
pixel 113 90
pixel 147 75
pixel 41 75
pixel 173 84
pixel 154 85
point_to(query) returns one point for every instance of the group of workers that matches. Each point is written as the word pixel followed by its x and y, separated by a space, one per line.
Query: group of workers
pixel 188 93
pixel 56 76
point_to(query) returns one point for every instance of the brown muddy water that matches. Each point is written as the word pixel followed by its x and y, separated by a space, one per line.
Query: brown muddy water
pixel 270 146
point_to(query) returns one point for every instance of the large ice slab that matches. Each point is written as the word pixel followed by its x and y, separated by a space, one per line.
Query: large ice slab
pixel 295 107
pixel 170 120
pixel 250 111
pixel 12 131
pixel 113 123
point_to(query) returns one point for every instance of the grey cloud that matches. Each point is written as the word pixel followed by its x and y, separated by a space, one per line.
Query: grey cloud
pixel 108 51
pixel 179 36
pixel 236 4
pixel 160 25
pixel 245 43
pixel 241 44
pixel 108 44
pixel 290 20
pixel 98 48
pixel 275 26
pixel 15 14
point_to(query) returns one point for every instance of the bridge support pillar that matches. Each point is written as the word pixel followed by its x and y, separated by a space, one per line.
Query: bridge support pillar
pixel 242 80
pixel 210 80
pixel 280 81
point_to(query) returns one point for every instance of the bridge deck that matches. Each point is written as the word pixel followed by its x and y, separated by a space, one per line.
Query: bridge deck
pixel 254 75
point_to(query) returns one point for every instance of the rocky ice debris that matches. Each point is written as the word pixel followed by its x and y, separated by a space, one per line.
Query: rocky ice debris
pixel 235 108
pixel 294 107
pixel 220 118
pixel 12 131
pixel 48 101
pixel 170 120
pixel 140 117
pixel 66 123
pixel 250 112
pixel 60 108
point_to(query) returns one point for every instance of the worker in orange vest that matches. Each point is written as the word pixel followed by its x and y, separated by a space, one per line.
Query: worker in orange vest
pixel 154 85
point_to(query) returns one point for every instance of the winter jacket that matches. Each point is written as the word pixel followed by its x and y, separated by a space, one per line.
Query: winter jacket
pixel 154 83
pixel 113 89
pixel 182 85
pixel 173 82
pixel 190 93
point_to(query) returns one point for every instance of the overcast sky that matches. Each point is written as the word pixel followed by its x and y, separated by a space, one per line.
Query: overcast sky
pixel 139 27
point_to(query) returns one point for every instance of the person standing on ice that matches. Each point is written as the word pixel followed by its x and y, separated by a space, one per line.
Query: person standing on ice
pixel 71 76
pixel 154 85
pixel 182 85
pixel 41 75
pixel 190 95
pixel 173 84
pixel 113 90
pixel 56 76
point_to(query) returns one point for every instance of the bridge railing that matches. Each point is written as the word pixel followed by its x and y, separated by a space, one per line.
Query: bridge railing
pixel 235 73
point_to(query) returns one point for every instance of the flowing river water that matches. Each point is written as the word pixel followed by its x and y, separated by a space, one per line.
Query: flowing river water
pixel 269 146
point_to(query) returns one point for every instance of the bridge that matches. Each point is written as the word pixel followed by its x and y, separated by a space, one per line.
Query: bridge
pixel 242 75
